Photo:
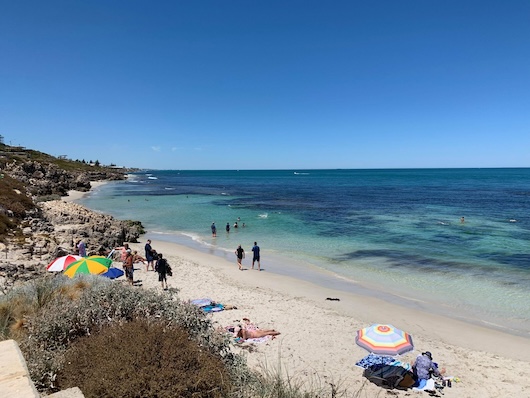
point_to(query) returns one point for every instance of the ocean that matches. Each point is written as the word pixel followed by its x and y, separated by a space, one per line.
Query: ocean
pixel 392 234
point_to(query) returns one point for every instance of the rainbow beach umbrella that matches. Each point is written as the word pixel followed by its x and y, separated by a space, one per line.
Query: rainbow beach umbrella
pixel 94 265
pixel 384 340
pixel 61 263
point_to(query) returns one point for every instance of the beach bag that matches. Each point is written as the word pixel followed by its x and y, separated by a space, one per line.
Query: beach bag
pixel 169 271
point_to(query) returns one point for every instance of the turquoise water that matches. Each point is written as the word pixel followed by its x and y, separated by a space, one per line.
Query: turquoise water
pixel 391 233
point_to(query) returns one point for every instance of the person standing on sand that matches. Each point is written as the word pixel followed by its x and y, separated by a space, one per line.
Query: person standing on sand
pixel 162 268
pixel 128 264
pixel 149 256
pixel 214 230
pixel 123 251
pixel 256 257
pixel 240 253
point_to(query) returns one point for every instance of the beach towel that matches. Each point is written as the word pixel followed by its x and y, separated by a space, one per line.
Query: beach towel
pixel 373 359
pixel 212 308
pixel 202 302
pixel 259 340
pixel 424 385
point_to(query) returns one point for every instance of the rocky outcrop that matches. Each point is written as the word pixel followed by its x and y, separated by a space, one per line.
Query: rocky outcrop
pixel 40 230
pixel 43 179
pixel 52 231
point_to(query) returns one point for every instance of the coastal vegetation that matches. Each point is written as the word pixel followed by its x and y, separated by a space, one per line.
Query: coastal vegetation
pixel 112 340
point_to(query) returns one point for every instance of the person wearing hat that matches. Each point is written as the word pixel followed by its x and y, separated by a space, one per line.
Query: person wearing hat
pixel 424 367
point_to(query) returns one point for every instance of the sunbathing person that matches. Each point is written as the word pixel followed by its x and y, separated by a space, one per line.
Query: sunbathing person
pixel 246 334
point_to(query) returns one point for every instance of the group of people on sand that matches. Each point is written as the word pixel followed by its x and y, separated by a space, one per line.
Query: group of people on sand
pixel 240 254
pixel 153 260
pixel 158 263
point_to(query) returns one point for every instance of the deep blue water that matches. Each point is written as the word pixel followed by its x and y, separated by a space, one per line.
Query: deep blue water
pixel 396 229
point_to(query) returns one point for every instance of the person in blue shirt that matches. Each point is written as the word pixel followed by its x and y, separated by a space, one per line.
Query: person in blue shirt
pixel 256 256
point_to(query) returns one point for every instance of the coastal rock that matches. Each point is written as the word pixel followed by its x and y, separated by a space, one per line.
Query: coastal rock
pixel 37 230
pixel 54 234
pixel 43 179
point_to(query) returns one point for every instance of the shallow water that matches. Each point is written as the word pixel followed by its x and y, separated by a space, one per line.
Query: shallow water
pixel 396 231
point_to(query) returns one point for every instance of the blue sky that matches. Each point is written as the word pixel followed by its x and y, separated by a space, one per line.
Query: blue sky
pixel 268 85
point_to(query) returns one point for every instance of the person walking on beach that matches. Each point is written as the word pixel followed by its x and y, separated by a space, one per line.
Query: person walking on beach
pixel 227 227
pixel 255 257
pixel 162 267
pixel 214 230
pixel 240 253
pixel 149 256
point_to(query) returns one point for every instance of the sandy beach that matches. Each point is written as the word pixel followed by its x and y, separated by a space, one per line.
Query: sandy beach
pixel 317 342
pixel 76 195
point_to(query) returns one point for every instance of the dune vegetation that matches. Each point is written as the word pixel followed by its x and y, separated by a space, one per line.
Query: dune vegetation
pixel 112 340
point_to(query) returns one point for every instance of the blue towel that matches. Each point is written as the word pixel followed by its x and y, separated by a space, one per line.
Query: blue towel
pixel 212 308
pixel 373 360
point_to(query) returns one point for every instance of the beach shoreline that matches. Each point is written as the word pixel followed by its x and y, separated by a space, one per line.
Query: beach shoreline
pixel 74 196
pixel 317 343
pixel 317 338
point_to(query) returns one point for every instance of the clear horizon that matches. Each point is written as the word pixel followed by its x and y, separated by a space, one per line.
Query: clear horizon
pixel 297 85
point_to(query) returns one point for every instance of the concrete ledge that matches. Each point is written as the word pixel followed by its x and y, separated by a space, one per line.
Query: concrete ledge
pixel 14 376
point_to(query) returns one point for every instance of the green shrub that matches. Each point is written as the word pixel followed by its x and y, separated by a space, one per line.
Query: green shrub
pixel 102 303
pixel 143 359
pixel 25 301
pixel 90 323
